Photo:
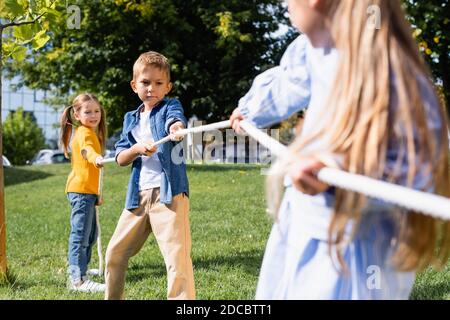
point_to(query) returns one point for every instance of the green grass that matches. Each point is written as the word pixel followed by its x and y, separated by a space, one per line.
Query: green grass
pixel 228 223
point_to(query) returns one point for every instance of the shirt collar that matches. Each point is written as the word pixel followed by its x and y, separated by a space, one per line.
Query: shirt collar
pixel 136 112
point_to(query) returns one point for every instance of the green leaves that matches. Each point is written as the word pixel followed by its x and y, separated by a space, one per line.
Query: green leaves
pixel 226 26
pixel 214 47
pixel 24 32
pixel 19 53
pixel 26 24
pixel 430 22
pixel 14 8
pixel 40 39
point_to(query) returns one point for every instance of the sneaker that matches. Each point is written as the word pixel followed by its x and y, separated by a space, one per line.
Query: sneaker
pixel 94 272
pixel 87 286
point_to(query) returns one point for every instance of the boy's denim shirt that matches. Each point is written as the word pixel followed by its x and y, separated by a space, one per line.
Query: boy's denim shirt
pixel 173 176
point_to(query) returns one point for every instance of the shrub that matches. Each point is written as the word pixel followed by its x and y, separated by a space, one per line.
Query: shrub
pixel 22 137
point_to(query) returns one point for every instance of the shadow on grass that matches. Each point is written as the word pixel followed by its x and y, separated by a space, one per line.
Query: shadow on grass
pixel 140 271
pixel 249 261
pixel 20 175
pixel 24 284
pixel 221 167
pixel 438 291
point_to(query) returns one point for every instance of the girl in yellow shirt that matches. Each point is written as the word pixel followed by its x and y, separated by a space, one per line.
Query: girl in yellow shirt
pixel 85 119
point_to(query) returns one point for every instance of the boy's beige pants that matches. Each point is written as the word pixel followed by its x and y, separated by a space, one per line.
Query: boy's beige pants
pixel 170 225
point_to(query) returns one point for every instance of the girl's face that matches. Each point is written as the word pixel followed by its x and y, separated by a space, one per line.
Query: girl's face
pixel 307 17
pixel 89 114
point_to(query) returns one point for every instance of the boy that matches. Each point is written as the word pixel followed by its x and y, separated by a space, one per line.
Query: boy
pixel 157 196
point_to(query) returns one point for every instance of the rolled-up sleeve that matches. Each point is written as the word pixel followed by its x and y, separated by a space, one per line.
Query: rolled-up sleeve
pixel 175 113
pixel 279 92
pixel 87 145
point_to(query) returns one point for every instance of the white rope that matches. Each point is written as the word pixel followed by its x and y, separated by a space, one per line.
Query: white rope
pixel 99 243
pixel 183 132
pixel 427 203
pixel 209 127
pixel 99 271
pixel 99 231
pixel 273 145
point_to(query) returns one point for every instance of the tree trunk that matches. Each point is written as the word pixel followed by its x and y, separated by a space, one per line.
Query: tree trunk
pixel 3 264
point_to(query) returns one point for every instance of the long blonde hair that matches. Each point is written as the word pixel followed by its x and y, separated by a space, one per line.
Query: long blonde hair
pixel 68 121
pixel 377 65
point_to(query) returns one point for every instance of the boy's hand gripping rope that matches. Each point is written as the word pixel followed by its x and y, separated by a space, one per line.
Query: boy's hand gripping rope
pixel 427 203
pixel 183 132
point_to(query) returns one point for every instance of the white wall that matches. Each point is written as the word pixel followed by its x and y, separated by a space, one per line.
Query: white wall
pixel 30 100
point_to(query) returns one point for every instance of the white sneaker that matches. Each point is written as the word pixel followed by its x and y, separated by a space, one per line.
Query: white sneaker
pixel 94 272
pixel 87 286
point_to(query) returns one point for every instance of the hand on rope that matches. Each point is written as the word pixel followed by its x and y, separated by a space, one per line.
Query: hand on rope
pixel 100 201
pixel 235 119
pixel 328 173
pixel 144 149
pixel 303 174
pixel 430 204
pixel 174 128
pixel 99 162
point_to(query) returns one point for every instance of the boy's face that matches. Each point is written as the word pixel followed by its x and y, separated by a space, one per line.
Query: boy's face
pixel 151 85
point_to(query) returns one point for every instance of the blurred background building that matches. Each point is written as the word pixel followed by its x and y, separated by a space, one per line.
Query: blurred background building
pixel 32 101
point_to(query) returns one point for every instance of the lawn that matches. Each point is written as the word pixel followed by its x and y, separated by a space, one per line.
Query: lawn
pixel 228 223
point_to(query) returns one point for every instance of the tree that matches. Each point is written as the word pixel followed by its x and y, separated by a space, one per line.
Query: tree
pixel 22 137
pixel 215 47
pixel 23 26
pixel 430 19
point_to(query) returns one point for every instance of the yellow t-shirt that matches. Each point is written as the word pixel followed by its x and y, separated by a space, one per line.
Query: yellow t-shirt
pixel 84 177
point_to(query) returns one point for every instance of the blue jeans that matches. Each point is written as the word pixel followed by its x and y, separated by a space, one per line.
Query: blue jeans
pixel 83 233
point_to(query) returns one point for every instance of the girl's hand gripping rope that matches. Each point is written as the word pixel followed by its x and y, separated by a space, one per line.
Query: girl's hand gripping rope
pixel 99 201
pixel 235 119
pixel 304 176
pixel 99 162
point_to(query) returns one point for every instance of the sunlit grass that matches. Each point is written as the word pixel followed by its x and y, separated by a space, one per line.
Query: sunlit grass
pixel 228 223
